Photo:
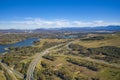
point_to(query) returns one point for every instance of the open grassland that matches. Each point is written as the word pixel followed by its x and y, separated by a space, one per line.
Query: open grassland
pixel 20 58
pixel 79 60
pixel 56 66
pixel 110 40
pixel 43 41
pixel 70 64
pixel 85 69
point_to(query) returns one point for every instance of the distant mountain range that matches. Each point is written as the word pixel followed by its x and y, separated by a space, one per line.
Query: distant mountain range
pixel 89 29
pixel 110 28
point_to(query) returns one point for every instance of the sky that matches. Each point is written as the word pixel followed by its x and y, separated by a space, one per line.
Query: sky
pixel 32 14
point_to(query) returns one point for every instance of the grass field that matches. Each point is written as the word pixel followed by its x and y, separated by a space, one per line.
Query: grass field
pixel 110 40
pixel 57 67
pixel 105 72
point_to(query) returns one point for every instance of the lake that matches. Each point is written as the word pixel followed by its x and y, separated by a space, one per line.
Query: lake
pixel 27 42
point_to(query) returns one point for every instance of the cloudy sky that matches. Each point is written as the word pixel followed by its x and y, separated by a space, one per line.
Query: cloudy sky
pixel 31 14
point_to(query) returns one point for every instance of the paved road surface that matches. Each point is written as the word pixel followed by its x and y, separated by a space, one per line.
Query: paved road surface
pixel 34 62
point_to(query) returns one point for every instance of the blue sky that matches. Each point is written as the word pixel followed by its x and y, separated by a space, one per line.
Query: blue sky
pixel 31 14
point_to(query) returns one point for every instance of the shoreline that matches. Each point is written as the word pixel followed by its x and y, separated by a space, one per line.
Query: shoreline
pixel 5 47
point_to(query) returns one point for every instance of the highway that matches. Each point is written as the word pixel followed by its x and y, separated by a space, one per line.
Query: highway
pixel 13 73
pixel 33 63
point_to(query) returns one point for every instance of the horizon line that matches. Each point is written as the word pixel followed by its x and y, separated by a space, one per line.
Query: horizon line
pixel 59 27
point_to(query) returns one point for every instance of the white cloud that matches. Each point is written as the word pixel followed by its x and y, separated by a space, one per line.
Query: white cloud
pixel 32 23
pixel 80 23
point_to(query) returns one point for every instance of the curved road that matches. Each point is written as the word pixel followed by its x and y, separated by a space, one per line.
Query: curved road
pixel 39 56
pixel 34 62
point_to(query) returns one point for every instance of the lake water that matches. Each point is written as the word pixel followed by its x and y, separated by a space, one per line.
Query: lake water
pixel 27 42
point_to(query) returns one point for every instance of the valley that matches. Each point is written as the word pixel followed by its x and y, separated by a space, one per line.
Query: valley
pixel 93 56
